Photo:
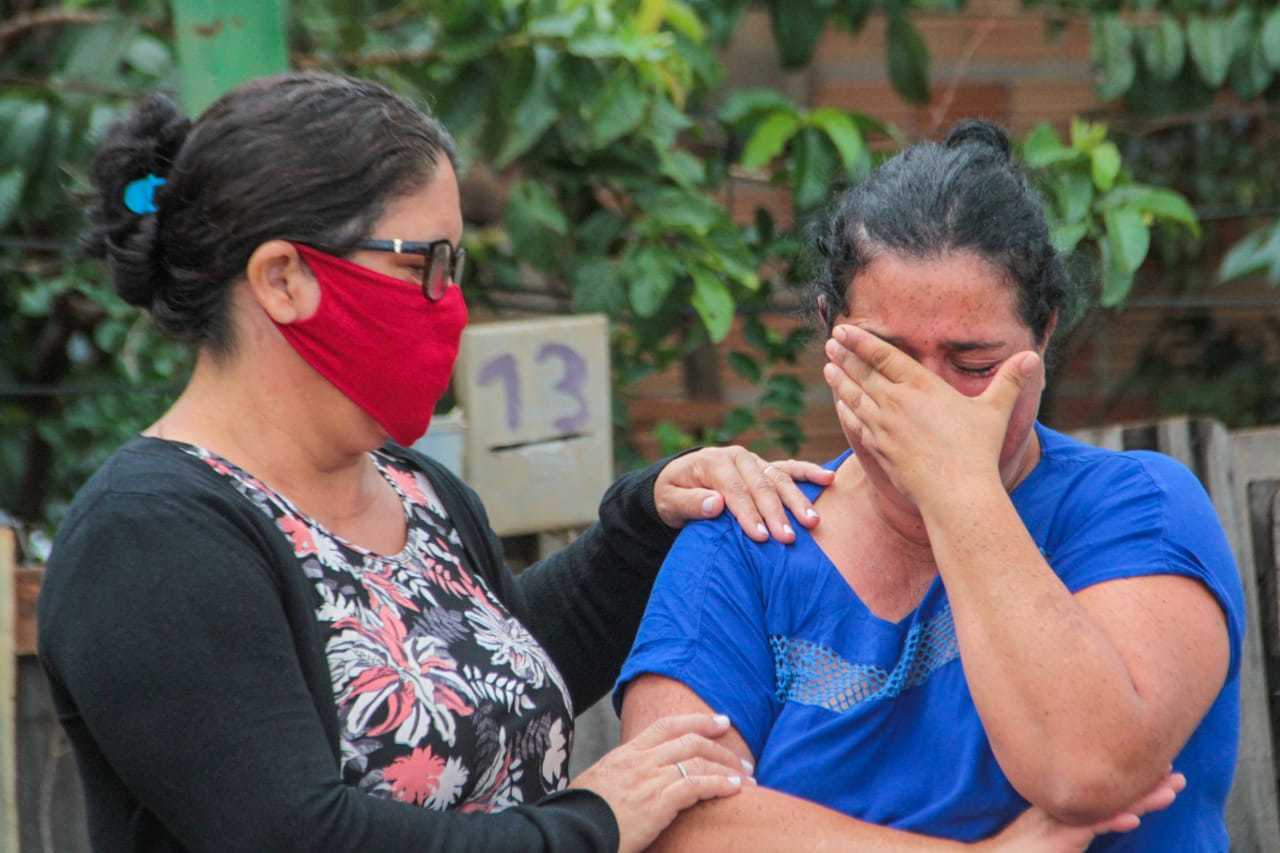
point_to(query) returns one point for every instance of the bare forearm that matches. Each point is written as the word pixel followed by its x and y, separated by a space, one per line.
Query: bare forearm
pixel 763 819
pixel 1057 701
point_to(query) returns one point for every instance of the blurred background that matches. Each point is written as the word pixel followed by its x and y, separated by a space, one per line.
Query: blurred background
pixel 659 161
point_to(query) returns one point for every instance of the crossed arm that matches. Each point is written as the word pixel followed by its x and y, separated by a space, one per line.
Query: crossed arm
pixel 1087 697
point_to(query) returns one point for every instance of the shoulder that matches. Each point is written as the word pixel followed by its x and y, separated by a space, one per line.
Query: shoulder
pixel 1098 478
pixel 149 482
pixel 154 507
pixel 1113 514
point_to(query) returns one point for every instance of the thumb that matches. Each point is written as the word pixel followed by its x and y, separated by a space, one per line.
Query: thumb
pixel 1014 376
pixel 692 504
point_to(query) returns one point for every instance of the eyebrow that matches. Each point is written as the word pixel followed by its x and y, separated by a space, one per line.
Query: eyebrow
pixel 951 346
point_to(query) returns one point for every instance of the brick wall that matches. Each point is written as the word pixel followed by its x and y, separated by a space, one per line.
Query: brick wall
pixel 994 62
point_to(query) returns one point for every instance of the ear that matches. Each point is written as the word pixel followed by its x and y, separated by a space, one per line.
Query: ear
pixel 281 283
pixel 824 311
pixel 1049 329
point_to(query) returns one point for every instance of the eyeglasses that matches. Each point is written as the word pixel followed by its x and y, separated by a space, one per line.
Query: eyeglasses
pixel 444 263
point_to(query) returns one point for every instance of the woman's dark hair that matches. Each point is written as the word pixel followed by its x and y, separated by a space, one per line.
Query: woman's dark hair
pixel 308 157
pixel 963 195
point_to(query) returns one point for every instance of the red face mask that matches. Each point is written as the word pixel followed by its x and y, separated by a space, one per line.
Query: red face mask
pixel 380 342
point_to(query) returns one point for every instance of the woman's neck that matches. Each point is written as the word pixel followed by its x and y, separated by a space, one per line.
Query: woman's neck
pixel 884 518
pixel 261 420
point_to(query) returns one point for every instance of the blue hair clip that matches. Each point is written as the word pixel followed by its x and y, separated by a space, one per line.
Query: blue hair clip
pixel 140 195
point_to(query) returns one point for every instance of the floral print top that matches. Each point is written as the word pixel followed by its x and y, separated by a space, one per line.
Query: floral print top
pixel 444 699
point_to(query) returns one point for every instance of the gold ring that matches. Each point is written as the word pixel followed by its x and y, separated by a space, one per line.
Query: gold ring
pixel 683 772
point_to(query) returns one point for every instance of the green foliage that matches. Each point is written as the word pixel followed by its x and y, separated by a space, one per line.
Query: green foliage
pixel 1094 200
pixel 601 121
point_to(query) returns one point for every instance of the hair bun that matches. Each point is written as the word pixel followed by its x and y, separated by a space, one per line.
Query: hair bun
pixel 979 132
pixel 144 142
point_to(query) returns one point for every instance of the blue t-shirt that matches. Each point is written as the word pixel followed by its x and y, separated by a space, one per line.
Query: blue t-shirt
pixel 874 718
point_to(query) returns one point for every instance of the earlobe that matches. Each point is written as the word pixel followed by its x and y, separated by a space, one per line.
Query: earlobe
pixel 280 282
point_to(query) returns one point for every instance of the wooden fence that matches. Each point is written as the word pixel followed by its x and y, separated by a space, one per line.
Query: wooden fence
pixel 41 808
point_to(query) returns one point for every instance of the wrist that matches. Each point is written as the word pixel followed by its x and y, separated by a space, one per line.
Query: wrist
pixel 957 490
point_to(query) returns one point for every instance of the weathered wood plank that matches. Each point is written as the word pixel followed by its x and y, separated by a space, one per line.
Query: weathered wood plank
pixel 8 695
pixel 51 805
pixel 1252 813
pixel 26 589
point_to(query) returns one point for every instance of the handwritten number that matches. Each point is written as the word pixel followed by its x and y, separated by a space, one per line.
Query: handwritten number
pixel 503 368
pixel 571 381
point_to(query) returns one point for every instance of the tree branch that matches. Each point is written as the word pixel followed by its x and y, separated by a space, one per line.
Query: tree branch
pixel 52 18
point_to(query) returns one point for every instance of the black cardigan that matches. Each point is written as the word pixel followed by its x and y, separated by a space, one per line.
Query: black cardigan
pixel 180 639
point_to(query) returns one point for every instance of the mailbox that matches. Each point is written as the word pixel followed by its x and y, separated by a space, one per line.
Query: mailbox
pixel 539 442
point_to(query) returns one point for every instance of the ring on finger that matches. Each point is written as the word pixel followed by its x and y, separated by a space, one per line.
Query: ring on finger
pixel 684 773
pixel 770 469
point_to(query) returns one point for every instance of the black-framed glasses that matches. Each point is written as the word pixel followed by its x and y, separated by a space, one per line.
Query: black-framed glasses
pixel 443 263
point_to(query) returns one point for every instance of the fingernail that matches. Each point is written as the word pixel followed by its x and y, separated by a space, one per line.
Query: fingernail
pixel 735 780
pixel 786 528
pixel 721 719
pixel 762 530
pixel 832 348
pixel 708 505
pixel 841 333
pixel 811 513
pixel 747 766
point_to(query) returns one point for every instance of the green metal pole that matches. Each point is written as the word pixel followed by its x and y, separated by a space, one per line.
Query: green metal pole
pixel 222 43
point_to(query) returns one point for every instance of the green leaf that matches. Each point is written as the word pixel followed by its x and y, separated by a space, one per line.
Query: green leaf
pixel 747 104
pixel 812 169
pixel 1086 135
pixel 652 273
pixel 1271 39
pixel 713 302
pixel 684 168
pixel 1074 191
pixel 745 366
pixel 98 51
pixel 1065 238
pixel 671 438
pixel 671 207
pixel 684 20
pixel 1155 201
pixel 597 287
pixel 1116 282
pixel 1210 40
pixel 24 124
pixel 846 138
pixel 1128 237
pixel 1255 253
pixel 1164 49
pixel 534 114
pixel 737 421
pixel 1250 72
pixel 1105 165
pixel 796 26
pixel 1112 49
pixel 149 55
pixel 559 25
pixel 1043 148
pixel 11 183
pixel 908 60
pixel 616 110
pixel 769 138
pixel 534 221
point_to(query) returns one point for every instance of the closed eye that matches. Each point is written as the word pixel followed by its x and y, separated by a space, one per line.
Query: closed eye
pixel 978 370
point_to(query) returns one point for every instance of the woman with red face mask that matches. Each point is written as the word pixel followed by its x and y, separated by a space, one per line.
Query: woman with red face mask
pixel 268 627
